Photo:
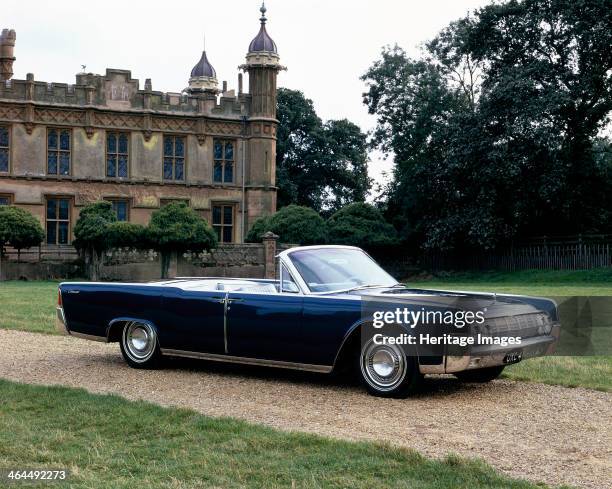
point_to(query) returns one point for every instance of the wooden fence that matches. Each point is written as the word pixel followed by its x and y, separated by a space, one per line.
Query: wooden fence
pixel 565 253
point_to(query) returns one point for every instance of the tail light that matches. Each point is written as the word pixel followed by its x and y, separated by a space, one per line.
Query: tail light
pixel 59 298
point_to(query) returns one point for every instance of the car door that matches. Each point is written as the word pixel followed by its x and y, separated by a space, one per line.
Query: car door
pixel 266 325
pixel 193 321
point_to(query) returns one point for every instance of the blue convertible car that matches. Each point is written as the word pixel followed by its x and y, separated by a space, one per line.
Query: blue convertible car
pixel 314 317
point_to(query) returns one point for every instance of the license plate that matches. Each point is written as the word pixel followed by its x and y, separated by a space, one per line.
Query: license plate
pixel 513 357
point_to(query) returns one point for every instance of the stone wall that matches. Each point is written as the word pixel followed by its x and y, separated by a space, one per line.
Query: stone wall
pixel 127 265
pixel 244 260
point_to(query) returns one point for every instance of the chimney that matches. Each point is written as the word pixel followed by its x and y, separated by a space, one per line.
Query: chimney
pixel 7 46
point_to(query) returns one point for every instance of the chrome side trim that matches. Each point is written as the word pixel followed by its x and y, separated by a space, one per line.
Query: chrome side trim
pixel 101 339
pixel 248 361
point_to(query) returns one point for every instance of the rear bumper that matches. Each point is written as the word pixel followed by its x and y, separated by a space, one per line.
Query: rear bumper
pixel 60 321
pixel 483 356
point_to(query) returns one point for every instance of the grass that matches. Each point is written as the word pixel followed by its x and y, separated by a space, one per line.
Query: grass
pixel 108 442
pixel 28 306
pixel 543 283
pixel 31 307
pixel 594 372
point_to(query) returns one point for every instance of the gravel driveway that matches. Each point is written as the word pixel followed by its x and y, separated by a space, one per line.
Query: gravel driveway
pixel 533 431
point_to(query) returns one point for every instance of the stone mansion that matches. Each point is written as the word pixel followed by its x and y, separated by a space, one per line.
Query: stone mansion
pixel 105 137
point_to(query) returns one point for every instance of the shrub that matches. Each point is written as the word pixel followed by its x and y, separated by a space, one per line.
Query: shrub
pixel 176 228
pixel 361 224
pixel 19 229
pixel 293 224
pixel 260 227
pixel 91 234
pixel 128 235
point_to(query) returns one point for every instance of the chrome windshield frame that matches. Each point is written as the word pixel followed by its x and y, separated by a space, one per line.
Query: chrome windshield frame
pixel 285 258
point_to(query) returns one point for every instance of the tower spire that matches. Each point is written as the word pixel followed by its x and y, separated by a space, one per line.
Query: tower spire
pixel 263 11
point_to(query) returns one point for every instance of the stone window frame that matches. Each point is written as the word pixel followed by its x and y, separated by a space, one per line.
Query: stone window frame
pixel 58 197
pixel 9 198
pixel 223 161
pixel 174 157
pixel 128 208
pixel 59 129
pixel 222 225
pixel 118 133
pixel 8 128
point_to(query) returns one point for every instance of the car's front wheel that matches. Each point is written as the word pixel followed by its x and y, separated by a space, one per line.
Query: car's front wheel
pixel 139 345
pixel 386 370
pixel 480 375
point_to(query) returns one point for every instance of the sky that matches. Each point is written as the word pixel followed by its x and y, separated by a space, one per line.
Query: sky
pixel 326 45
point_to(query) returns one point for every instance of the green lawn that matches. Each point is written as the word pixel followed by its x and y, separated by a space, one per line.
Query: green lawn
pixel 594 372
pixel 106 441
pixel 30 306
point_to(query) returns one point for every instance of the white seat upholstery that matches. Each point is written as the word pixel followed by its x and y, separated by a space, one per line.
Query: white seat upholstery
pixel 258 289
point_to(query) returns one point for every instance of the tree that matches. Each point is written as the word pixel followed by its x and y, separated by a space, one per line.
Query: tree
pixel 19 229
pixel 361 224
pixel 127 235
pixel 319 165
pixel 97 230
pixel 177 228
pixel 91 233
pixel 293 224
pixel 494 129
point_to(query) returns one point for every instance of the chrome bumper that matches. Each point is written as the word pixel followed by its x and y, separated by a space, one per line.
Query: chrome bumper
pixel 484 356
pixel 60 321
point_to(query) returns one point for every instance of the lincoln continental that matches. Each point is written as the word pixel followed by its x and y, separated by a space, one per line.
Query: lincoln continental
pixel 317 315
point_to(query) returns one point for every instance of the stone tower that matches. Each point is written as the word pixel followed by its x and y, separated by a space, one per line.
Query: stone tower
pixel 7 46
pixel 263 65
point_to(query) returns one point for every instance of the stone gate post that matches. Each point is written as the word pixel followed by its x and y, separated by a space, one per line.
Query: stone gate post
pixel 269 243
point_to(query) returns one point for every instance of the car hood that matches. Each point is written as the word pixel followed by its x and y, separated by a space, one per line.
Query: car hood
pixel 496 305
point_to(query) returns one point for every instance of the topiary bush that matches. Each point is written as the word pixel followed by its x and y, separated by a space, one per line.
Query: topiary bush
pixel 361 224
pixel 260 227
pixel 128 235
pixel 176 228
pixel 293 224
pixel 19 229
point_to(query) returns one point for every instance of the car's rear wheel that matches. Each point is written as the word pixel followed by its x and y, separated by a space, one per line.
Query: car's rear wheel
pixel 139 345
pixel 480 375
pixel 386 370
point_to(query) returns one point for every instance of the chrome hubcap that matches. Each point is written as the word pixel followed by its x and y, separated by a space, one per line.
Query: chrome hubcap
pixel 383 363
pixel 383 366
pixel 139 340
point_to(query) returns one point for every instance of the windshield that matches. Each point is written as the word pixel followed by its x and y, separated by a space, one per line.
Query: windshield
pixel 333 269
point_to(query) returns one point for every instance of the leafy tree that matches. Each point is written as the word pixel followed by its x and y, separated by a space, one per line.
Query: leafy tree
pixel 494 129
pixel 319 165
pixel 19 229
pixel 293 224
pixel 361 224
pixel 127 235
pixel 177 228
pixel 97 230
pixel 258 229
pixel 91 233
